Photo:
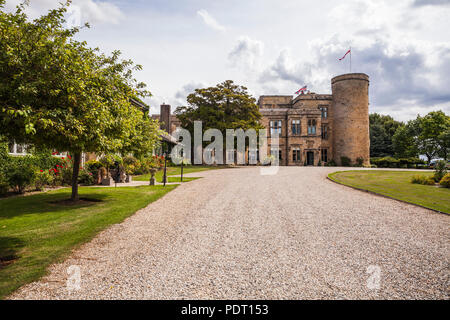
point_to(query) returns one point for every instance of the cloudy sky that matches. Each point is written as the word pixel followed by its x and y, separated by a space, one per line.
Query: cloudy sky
pixel 275 47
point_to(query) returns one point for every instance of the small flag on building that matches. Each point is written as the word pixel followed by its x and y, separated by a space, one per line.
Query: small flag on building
pixel 302 89
pixel 349 51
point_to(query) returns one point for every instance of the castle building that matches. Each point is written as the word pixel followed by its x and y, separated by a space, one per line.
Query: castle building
pixel 313 128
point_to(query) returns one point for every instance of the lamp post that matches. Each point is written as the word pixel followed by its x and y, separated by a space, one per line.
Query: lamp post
pixel 165 169
pixel 182 163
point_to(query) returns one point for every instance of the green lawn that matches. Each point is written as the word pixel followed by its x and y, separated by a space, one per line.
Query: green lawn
pixel 36 232
pixel 397 184
pixel 173 171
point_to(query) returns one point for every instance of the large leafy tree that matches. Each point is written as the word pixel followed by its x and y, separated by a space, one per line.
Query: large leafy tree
pixel 382 130
pixel 56 92
pixel 225 106
pixel 428 135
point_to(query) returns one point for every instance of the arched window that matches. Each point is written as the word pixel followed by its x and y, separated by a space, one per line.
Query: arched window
pixel 312 126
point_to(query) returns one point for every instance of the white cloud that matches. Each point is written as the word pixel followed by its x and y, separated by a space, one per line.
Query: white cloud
pixel 80 12
pixel 210 21
pixel 246 53
pixel 99 11
pixel 187 89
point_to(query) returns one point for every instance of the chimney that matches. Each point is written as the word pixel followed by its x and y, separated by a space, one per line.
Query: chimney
pixel 164 117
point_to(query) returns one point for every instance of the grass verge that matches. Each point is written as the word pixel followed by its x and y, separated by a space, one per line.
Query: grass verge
pixel 397 185
pixel 38 230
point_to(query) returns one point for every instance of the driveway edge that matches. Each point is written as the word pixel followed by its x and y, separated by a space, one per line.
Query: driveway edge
pixel 383 195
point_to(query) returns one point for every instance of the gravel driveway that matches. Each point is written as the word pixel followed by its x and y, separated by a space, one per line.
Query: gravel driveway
pixel 236 234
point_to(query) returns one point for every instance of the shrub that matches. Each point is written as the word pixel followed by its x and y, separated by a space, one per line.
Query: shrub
pixel 85 177
pixel 66 172
pixel 445 181
pixel 129 163
pixel 421 179
pixel 43 178
pixel 107 160
pixel 92 166
pixel 20 177
pixel 331 163
pixel 4 183
pixel 319 164
pixel 440 170
pixel 359 161
pixel 345 161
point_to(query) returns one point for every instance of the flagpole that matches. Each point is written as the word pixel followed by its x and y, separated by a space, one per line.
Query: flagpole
pixel 350 59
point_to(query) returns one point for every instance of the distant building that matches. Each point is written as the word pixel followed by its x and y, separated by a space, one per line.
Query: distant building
pixel 312 127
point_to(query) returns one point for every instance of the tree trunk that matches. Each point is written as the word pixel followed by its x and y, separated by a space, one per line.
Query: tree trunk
pixel 429 157
pixel 76 171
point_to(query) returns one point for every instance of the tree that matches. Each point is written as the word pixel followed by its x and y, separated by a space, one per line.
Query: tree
pixel 382 130
pixel 225 106
pixel 56 92
pixel 428 135
pixel 404 143
pixel 434 137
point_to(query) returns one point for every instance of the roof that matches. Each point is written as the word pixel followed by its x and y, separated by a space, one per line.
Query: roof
pixel 168 138
pixel 139 104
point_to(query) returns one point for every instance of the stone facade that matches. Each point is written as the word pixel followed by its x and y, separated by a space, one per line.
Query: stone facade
pixel 313 128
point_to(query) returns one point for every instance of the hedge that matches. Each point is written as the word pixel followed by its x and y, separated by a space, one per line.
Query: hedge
pixel 389 162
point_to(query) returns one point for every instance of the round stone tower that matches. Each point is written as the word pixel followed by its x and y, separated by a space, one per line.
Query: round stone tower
pixel 350 109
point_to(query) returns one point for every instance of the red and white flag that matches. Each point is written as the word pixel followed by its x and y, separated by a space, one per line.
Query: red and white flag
pixel 345 54
pixel 301 90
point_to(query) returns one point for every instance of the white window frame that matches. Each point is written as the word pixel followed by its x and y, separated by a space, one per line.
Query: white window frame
pixel 15 153
pixel 275 126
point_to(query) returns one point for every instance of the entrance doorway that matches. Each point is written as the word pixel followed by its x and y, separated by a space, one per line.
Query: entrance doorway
pixel 310 158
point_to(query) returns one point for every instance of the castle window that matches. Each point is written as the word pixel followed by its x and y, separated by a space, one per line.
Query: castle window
pixel 275 127
pixel 18 149
pixel 325 132
pixel 230 156
pixel 296 154
pixel 324 155
pixel 324 112
pixel 312 126
pixel 276 152
pixel 253 156
pixel 295 127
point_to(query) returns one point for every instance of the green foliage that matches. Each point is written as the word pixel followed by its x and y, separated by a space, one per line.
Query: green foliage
pixel 345 161
pixel 58 93
pixel 86 178
pixel 93 166
pixel 382 130
pixel 129 163
pixel 445 181
pixel 4 183
pixel 386 162
pixel 225 106
pixel 404 142
pixel 440 171
pixel 107 160
pixel 421 179
pixel 359 161
pixel 428 135
pixel 43 178
pixel 331 163
pixel 389 162
pixel 20 176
